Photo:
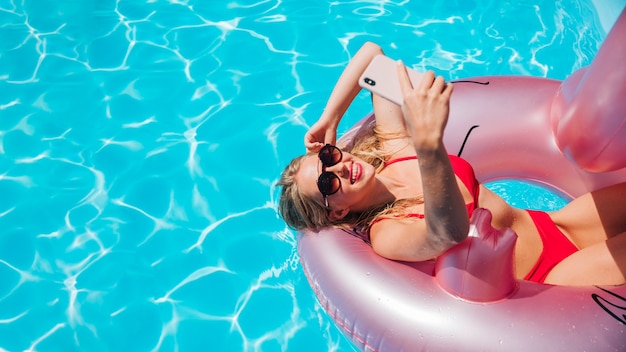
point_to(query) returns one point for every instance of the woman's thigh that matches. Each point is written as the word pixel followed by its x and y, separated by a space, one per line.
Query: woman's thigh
pixel 603 263
pixel 594 217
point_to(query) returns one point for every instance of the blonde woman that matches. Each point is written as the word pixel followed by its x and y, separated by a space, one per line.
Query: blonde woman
pixel 414 201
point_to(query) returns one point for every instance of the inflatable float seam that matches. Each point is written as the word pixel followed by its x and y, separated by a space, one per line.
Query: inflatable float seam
pixel 609 141
pixel 332 312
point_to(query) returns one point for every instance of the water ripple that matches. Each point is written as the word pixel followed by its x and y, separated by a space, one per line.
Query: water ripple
pixel 140 144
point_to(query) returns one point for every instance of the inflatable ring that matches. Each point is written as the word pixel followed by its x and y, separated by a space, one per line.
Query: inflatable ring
pixel 569 136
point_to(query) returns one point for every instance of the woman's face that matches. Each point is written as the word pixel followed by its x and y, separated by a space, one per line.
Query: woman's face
pixel 356 179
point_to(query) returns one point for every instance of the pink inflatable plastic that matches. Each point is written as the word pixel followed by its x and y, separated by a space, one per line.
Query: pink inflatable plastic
pixel 560 134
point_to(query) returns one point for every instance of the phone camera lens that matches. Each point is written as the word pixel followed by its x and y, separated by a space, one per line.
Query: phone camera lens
pixel 370 81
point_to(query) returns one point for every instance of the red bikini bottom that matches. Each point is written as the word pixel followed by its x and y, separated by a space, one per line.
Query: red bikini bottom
pixel 556 246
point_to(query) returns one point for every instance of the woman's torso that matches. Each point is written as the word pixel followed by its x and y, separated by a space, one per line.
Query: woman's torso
pixel 528 246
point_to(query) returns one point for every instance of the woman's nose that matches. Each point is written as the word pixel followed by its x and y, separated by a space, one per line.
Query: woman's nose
pixel 337 168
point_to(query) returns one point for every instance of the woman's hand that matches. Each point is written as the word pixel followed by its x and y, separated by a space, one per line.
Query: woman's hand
pixel 319 134
pixel 425 108
pixel 347 87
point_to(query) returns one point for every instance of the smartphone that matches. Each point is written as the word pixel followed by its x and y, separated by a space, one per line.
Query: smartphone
pixel 381 78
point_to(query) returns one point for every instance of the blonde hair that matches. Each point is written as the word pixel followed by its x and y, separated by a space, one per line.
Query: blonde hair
pixel 301 212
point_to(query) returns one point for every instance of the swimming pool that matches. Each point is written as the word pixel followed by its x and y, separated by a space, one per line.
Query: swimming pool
pixel 140 141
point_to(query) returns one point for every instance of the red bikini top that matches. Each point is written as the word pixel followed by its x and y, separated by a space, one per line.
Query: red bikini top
pixel 463 170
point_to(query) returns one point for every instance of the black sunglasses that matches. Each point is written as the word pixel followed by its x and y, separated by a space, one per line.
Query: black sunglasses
pixel 328 183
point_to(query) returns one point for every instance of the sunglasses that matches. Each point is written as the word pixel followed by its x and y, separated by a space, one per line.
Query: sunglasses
pixel 328 183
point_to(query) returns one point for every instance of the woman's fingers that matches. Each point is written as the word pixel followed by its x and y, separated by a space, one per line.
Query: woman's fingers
pixel 426 82
pixel 311 142
pixel 447 92
pixel 438 85
pixel 318 136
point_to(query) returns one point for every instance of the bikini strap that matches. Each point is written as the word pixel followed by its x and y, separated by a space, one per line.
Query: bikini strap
pixel 397 160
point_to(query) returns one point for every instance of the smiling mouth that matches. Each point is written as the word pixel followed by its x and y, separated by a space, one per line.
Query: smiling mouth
pixel 355 173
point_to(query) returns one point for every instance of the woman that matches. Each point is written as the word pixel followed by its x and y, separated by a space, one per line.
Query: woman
pixel 414 209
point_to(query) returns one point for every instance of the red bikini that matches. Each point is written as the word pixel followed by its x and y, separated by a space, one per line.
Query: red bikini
pixel 556 246
pixel 463 170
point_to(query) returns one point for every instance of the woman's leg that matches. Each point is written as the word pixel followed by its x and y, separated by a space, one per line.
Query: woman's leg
pixel 595 223
pixel 594 217
pixel 599 264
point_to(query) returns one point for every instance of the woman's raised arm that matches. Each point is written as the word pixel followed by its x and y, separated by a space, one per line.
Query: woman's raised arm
pixel 425 110
pixel 347 87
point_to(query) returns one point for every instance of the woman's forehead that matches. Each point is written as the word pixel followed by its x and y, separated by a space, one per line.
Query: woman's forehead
pixel 308 174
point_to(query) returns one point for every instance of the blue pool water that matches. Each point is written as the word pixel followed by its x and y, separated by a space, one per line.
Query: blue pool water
pixel 140 142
